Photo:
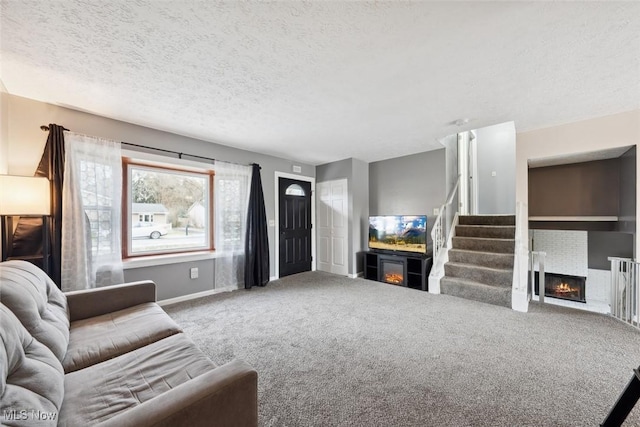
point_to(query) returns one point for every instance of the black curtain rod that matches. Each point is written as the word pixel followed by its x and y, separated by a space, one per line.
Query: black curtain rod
pixel 46 129
pixel 168 151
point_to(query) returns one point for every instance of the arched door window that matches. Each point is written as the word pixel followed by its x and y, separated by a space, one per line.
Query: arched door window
pixel 294 190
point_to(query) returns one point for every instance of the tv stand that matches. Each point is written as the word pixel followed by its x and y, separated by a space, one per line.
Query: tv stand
pixel 408 270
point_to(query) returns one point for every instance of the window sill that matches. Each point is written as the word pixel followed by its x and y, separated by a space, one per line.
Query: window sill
pixel 154 260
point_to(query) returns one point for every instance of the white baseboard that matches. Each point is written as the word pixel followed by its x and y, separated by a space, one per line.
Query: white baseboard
pixel 356 275
pixel 196 295
pixel 272 278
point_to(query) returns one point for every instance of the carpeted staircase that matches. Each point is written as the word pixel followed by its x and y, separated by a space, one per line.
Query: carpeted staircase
pixel 480 263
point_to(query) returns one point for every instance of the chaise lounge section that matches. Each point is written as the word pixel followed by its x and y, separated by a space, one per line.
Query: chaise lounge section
pixel 110 357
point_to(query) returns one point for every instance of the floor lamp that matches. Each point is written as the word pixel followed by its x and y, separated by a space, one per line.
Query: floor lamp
pixel 24 196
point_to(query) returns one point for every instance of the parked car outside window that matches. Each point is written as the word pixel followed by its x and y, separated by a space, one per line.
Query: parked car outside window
pixel 148 229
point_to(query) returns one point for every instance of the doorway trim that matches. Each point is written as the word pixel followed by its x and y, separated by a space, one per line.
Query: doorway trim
pixel 311 180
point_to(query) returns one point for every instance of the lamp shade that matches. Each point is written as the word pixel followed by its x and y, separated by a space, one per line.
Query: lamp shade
pixel 24 195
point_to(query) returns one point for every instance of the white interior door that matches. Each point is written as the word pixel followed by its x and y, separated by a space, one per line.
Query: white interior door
pixel 468 170
pixel 333 226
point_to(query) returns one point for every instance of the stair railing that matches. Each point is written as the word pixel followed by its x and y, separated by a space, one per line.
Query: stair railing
pixel 537 258
pixel 625 306
pixel 441 238
pixel 625 295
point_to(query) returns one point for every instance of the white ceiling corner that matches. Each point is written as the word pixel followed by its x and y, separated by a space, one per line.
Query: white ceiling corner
pixel 590 156
pixel 321 81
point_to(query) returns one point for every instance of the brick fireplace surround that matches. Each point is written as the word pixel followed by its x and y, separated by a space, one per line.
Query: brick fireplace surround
pixel 567 254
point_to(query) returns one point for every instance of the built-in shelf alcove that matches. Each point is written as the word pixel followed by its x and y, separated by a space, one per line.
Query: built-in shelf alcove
pixel 582 211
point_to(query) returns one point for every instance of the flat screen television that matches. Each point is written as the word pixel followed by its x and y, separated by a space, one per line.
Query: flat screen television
pixel 398 233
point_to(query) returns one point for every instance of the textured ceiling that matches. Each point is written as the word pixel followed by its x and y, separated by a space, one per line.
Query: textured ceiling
pixel 323 81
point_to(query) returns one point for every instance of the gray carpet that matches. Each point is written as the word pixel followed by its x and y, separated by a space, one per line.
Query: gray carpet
pixel 332 351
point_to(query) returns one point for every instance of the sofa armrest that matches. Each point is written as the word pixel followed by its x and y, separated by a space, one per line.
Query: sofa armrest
pixel 97 301
pixel 226 396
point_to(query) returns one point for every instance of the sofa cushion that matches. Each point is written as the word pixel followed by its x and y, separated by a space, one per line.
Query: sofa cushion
pixel 101 391
pixel 37 303
pixel 31 377
pixel 101 338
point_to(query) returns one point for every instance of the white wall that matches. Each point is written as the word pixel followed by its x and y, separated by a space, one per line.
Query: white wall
pixel 4 138
pixel 4 129
pixel 450 144
pixel 619 130
pixel 496 154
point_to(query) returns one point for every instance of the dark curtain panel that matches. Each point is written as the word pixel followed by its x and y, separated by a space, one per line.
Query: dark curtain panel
pixel 27 239
pixel 256 267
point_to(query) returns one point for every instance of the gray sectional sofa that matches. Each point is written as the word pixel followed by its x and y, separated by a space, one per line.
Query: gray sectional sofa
pixel 109 357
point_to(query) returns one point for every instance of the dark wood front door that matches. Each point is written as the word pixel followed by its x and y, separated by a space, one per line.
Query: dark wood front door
pixel 295 226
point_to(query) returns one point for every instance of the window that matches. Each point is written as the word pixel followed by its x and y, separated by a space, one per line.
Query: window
pixel 294 190
pixel 97 202
pixel 231 209
pixel 167 210
pixel 232 186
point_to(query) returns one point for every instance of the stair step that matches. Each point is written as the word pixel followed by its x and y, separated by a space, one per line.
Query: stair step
pixel 472 290
pixel 504 246
pixel 486 259
pixel 487 275
pixel 489 231
pixel 487 220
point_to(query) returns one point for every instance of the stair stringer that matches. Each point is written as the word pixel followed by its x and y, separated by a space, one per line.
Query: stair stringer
pixel 437 270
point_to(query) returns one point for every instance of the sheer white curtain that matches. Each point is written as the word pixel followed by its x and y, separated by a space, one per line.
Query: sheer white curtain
pixel 91 212
pixel 231 190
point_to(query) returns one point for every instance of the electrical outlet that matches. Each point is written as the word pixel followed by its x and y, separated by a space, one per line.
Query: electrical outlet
pixel 194 272
pixel 297 169
pixel 436 211
pixel 494 173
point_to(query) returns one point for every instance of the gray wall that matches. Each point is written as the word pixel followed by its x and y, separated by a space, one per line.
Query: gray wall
pixel 335 170
pixel 26 138
pixel 360 191
pixel 496 151
pixel 172 280
pixel 628 188
pixel 577 189
pixel 409 185
pixel 604 244
pixel 356 172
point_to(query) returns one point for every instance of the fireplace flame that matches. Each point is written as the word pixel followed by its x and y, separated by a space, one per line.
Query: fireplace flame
pixel 564 288
pixel 393 278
